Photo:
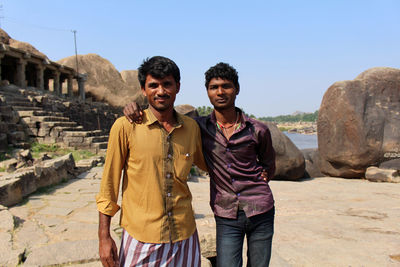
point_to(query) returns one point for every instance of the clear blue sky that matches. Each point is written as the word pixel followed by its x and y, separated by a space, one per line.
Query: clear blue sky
pixel 287 52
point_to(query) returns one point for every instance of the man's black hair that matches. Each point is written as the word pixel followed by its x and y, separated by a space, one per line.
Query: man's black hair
pixel 222 71
pixel 158 67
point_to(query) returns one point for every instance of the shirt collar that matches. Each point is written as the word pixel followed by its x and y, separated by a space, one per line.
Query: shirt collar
pixel 149 118
pixel 243 118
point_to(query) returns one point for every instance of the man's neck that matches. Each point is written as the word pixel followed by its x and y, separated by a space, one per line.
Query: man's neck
pixel 226 116
pixel 166 117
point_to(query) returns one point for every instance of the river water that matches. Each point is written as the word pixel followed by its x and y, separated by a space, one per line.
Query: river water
pixel 303 141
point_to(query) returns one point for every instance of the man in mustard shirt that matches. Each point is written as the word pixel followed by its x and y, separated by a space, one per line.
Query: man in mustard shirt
pixel 155 157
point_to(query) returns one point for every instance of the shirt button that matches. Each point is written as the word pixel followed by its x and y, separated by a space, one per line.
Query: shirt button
pixel 238 194
pixel 229 165
pixel 233 180
pixel 169 213
pixel 169 194
pixel 168 175
pixel 168 137
pixel 169 156
pixel 228 150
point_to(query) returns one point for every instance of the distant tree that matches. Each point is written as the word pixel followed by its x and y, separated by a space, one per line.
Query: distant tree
pixel 309 117
pixel 204 110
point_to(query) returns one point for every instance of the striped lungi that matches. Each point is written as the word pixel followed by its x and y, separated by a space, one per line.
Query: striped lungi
pixel 185 253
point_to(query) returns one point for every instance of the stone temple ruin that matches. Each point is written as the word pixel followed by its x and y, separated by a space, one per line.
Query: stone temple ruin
pixel 37 103
pixel 24 69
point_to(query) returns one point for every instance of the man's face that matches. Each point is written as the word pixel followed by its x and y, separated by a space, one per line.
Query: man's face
pixel 161 93
pixel 222 93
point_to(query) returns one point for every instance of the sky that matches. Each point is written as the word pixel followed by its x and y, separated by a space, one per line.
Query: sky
pixel 287 53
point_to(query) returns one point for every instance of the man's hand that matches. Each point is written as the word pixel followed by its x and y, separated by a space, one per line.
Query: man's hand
pixel 108 252
pixel 107 249
pixel 133 112
pixel 264 175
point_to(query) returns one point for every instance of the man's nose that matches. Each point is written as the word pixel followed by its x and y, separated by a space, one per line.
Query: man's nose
pixel 220 91
pixel 161 90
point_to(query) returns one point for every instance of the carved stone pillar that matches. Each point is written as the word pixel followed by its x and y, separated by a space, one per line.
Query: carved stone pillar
pixel 69 86
pixel 39 77
pixel 56 83
pixel 1 57
pixel 81 85
pixel 20 75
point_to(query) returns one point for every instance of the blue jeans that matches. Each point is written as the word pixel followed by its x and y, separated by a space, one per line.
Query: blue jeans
pixel 258 229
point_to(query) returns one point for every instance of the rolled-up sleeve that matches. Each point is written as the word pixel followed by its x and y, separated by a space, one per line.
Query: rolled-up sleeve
pixel 117 150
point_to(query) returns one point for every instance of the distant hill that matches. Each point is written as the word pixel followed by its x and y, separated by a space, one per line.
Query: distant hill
pixel 104 82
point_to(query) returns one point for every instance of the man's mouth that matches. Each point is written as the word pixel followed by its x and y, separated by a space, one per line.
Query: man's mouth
pixel 161 98
pixel 220 100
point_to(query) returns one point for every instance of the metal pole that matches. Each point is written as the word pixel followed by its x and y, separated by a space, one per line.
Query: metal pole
pixel 76 52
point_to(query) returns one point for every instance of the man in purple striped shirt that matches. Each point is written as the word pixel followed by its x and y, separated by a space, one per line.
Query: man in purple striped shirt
pixel 241 161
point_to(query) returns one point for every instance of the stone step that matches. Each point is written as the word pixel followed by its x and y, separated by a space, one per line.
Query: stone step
pixel 21 103
pixel 18 108
pixel 84 133
pixel 50 124
pixel 98 139
pixel 50 119
pixel 30 113
pixel 96 133
pixel 10 97
pixel 98 146
pixel 23 145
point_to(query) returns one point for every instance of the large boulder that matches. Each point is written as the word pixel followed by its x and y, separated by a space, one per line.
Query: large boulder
pixel 4 37
pixel 359 123
pixel 26 47
pixel 312 161
pixel 187 110
pixel 289 160
pixel 104 82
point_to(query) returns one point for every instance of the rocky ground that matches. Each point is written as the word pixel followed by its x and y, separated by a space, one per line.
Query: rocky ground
pixel 319 222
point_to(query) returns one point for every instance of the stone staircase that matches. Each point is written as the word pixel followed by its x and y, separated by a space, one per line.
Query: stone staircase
pixel 23 112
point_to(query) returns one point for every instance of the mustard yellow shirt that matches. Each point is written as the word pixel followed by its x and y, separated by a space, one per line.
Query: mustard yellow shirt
pixel 156 201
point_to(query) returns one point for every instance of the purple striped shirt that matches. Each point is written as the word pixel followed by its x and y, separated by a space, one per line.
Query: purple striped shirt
pixel 235 166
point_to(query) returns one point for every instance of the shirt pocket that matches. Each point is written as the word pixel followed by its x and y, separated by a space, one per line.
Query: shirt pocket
pixel 182 164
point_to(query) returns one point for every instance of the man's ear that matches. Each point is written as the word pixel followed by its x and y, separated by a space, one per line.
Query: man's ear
pixel 143 91
pixel 178 87
pixel 237 90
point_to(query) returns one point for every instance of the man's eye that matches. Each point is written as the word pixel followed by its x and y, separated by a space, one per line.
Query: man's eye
pixel 226 86
pixel 152 85
pixel 167 84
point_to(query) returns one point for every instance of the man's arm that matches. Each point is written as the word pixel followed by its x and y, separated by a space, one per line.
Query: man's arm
pixel 266 154
pixel 107 248
pixel 107 198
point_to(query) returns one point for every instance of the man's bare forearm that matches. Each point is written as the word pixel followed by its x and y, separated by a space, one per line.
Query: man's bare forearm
pixel 104 225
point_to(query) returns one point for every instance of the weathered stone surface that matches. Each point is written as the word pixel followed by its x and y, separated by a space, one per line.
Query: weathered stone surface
pixel 312 161
pixel 187 110
pixel 15 186
pixel 29 235
pixel 289 161
pixel 9 165
pixel 7 221
pixel 8 256
pixel 375 174
pixel 3 142
pixel 359 123
pixel 393 164
pixel 54 171
pixel 72 252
